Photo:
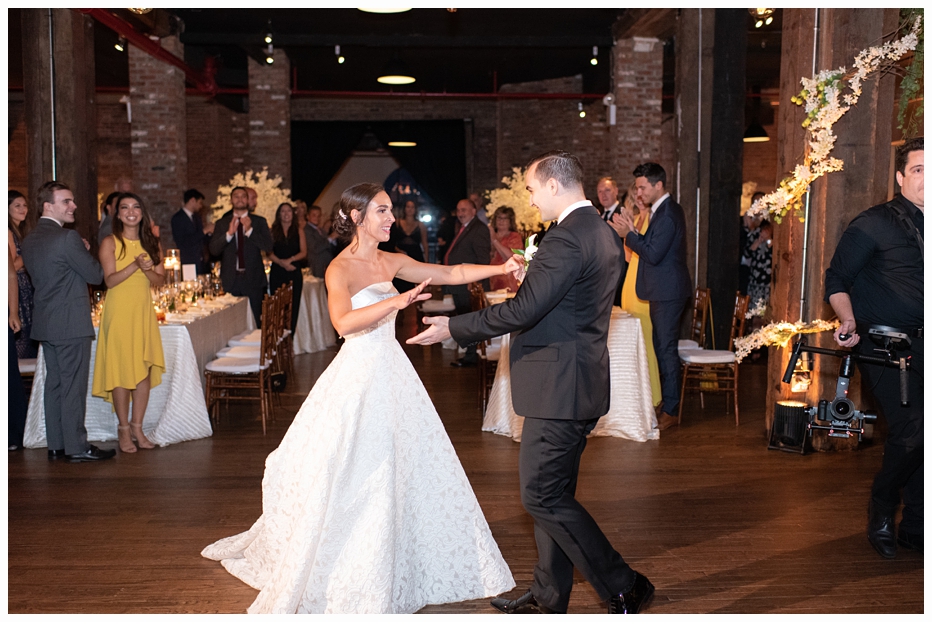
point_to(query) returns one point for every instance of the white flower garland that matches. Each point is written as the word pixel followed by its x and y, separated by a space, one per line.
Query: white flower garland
pixel 779 334
pixel 825 104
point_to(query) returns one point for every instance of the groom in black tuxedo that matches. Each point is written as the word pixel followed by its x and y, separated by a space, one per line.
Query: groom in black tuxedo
pixel 559 322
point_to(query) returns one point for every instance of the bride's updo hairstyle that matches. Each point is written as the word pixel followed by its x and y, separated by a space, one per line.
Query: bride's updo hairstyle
pixel 359 197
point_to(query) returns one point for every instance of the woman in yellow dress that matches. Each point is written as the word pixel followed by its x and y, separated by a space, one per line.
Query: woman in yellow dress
pixel 629 299
pixel 129 359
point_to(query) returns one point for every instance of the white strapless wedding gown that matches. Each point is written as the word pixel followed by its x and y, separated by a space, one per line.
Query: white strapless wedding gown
pixel 365 506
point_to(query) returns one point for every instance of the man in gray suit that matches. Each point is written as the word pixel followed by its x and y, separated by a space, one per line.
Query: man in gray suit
pixel 319 251
pixel 61 268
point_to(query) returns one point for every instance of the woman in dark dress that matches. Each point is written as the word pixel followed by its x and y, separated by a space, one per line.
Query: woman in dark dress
pixel 288 246
pixel 25 347
pixel 410 238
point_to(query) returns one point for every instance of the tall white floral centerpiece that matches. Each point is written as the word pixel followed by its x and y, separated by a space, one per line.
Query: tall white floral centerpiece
pixel 514 195
pixel 270 193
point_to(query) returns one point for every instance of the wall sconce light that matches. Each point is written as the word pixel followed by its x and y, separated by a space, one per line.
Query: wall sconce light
pixel 336 51
pixel 121 44
pixel 595 56
pixel 582 112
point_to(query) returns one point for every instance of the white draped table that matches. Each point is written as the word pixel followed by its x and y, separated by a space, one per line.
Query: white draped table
pixel 313 332
pixel 176 410
pixel 631 414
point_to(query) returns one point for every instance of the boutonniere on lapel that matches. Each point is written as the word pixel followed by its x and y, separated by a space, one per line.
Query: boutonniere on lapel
pixel 528 252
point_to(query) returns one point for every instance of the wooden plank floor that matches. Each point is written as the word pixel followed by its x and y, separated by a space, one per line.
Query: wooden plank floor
pixel 716 521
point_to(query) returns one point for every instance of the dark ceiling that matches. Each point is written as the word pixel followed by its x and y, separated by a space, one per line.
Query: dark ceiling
pixel 467 51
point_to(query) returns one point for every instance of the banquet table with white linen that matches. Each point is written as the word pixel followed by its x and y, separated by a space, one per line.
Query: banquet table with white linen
pixel 631 414
pixel 176 411
pixel 313 332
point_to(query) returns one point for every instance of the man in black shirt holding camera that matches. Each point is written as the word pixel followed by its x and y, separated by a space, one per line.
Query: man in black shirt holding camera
pixel 875 278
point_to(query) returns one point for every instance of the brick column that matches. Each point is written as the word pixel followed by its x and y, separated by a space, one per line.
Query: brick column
pixel 158 132
pixel 270 117
pixel 638 81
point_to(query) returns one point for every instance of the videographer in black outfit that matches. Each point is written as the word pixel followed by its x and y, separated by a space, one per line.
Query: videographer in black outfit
pixel 875 278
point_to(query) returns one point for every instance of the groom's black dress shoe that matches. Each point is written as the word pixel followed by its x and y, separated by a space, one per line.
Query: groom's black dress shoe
pixel 525 604
pixel 880 531
pixel 633 600
pixel 56 454
pixel 909 540
pixel 463 364
pixel 93 454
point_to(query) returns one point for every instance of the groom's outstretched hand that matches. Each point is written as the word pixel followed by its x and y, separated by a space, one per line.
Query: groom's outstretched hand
pixel 438 331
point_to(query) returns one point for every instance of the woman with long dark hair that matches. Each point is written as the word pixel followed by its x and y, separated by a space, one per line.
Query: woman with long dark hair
pixel 289 246
pixel 25 347
pixel 129 361
pixel 366 508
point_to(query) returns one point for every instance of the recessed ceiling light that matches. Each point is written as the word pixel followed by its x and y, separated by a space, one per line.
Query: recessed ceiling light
pixel 384 10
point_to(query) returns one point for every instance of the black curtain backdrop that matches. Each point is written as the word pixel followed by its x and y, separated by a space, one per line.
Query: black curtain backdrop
pixel 437 163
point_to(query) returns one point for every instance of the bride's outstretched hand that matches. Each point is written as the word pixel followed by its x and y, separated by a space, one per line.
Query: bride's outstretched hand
pixel 410 297
pixel 514 264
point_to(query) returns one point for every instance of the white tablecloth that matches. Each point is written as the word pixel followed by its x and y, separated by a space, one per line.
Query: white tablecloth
pixel 176 411
pixel 313 332
pixel 631 414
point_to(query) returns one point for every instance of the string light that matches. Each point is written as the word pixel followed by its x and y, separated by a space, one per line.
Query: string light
pixel 595 56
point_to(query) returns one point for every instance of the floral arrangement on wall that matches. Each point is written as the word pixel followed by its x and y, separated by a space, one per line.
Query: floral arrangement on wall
pixel 826 98
pixel 269 191
pixel 515 195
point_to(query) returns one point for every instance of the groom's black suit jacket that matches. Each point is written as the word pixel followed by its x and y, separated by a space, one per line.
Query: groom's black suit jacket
pixel 561 313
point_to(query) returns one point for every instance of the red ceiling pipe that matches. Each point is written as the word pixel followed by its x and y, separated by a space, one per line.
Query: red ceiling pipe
pixel 203 81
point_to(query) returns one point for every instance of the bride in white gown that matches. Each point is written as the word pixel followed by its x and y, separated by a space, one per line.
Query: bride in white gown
pixel 365 505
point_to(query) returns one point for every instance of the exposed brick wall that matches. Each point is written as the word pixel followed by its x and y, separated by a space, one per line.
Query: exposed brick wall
pixel 639 95
pixel 217 141
pixel 17 148
pixel 270 117
pixel 114 152
pixel 158 133
pixel 529 128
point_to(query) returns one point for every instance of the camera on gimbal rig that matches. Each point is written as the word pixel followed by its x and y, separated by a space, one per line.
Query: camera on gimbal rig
pixel 839 417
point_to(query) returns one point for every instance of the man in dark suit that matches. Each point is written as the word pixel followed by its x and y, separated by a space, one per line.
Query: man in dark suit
pixel 472 244
pixel 559 322
pixel 61 268
pixel 240 238
pixel 662 279
pixel 319 250
pixel 606 190
pixel 190 233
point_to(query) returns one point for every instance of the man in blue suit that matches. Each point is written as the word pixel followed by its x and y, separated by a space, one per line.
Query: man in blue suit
pixel 189 232
pixel 662 279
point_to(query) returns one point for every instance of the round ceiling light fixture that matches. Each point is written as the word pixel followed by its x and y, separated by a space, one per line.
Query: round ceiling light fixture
pixel 402 143
pixel 396 73
pixel 384 9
